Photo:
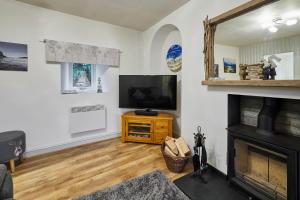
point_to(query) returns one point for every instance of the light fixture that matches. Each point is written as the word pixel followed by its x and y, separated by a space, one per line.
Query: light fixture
pixel 273 29
pixel 273 24
pixel 291 22
pixel 278 20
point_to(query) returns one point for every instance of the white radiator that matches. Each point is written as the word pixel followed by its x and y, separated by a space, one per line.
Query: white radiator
pixel 87 118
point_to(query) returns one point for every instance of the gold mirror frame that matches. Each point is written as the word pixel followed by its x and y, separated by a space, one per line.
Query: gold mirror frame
pixel 210 26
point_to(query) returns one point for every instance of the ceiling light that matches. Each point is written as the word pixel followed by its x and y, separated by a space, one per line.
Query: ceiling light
pixel 278 20
pixel 291 22
pixel 273 29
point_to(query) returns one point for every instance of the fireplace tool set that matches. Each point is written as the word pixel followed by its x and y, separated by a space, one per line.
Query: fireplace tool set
pixel 200 155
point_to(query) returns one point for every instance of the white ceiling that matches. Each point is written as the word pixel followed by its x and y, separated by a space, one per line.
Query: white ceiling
pixel 247 29
pixel 135 14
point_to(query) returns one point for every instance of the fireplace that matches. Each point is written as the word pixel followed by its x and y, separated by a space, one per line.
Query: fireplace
pixel 261 168
pixel 264 146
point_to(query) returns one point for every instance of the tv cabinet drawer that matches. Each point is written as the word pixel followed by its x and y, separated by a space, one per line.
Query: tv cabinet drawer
pixel 144 122
pixel 160 137
pixel 161 126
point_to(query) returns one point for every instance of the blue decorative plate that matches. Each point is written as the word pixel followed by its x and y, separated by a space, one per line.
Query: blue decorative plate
pixel 174 58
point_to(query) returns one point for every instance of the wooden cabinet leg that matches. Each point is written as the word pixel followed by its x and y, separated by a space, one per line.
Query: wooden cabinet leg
pixel 12 166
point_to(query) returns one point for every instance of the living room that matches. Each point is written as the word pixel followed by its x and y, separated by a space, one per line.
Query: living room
pixel 84 55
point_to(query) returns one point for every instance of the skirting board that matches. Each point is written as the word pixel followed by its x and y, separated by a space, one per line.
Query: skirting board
pixel 50 149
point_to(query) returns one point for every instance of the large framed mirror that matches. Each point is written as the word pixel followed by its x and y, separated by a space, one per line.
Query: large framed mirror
pixel 255 44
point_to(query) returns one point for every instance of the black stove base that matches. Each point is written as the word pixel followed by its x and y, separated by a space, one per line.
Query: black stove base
pixel 216 188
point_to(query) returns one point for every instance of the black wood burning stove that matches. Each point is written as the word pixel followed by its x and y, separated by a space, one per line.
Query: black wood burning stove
pixel 263 146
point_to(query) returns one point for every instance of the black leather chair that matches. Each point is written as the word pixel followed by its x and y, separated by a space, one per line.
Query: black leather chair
pixel 6 184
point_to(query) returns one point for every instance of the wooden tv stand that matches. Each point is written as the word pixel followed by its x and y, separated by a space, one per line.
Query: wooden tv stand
pixel 146 129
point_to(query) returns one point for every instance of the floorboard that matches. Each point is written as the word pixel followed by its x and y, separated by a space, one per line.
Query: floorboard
pixel 81 170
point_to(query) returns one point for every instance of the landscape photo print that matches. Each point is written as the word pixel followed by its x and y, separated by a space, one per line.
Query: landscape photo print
pixel 229 65
pixel 13 56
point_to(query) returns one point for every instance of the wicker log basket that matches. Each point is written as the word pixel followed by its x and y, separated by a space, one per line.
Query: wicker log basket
pixel 174 164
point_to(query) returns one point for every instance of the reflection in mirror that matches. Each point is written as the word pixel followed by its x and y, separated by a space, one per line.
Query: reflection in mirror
pixel 262 44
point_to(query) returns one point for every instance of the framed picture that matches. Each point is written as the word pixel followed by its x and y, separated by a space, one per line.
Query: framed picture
pixel 174 58
pixel 229 65
pixel 13 57
pixel 82 75
pixel 216 70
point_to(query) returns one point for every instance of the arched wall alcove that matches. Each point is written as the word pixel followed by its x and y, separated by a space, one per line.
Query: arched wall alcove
pixel 163 39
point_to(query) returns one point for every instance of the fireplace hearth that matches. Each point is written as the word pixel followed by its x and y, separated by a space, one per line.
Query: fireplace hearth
pixel 264 146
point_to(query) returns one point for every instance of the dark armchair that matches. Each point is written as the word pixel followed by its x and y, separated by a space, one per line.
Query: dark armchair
pixel 6 184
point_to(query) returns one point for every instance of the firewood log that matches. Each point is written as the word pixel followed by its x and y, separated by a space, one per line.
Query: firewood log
pixel 172 146
pixel 182 147
pixel 169 152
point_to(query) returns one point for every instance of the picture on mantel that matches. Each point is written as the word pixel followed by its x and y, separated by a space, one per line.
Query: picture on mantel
pixel 216 71
pixel 174 58
pixel 13 57
pixel 229 65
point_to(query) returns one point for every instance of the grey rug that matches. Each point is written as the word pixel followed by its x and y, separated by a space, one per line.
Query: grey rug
pixel 152 186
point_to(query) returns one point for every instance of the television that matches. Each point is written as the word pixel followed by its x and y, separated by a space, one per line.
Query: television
pixel 148 92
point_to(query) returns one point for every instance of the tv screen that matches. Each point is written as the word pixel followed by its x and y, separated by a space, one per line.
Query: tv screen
pixel 144 91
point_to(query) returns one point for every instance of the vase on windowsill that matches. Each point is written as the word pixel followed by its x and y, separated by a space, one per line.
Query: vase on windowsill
pixel 99 87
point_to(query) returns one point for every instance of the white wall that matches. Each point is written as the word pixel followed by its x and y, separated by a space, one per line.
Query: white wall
pixel 31 101
pixel 203 105
pixel 224 51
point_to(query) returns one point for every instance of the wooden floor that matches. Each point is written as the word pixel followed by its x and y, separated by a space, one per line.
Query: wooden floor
pixel 81 170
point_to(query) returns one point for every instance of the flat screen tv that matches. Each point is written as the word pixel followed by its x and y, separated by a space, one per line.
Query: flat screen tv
pixel 148 91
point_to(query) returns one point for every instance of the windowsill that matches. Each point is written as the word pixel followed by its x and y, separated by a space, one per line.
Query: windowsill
pixel 81 92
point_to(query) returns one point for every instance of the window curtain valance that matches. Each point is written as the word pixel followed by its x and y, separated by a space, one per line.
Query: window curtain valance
pixel 66 52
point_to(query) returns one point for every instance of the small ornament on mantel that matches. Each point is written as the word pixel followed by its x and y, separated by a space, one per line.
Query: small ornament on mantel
pixel 99 90
pixel 269 67
pixel 243 71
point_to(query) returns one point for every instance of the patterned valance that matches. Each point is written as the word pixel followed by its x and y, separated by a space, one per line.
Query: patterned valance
pixel 80 53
